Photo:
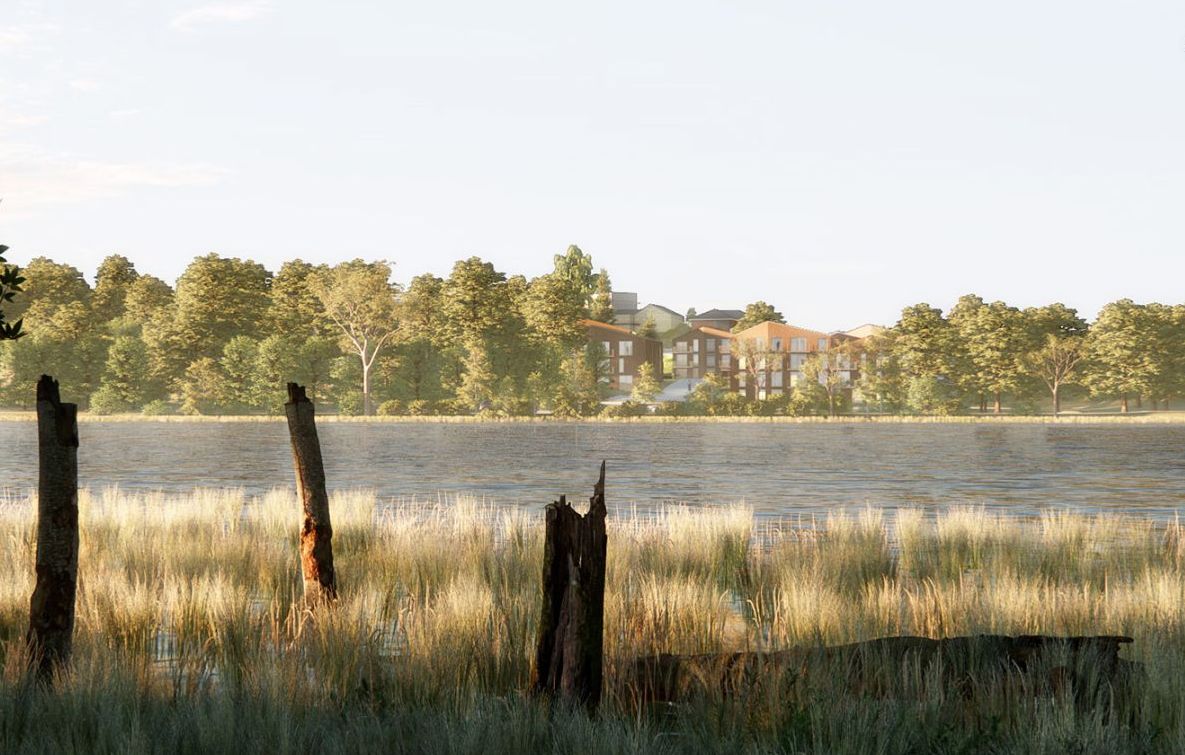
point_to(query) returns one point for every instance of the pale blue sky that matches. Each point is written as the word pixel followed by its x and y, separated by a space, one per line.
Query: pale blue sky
pixel 838 159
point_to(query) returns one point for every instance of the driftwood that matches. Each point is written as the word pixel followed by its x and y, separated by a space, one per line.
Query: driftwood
pixel 51 609
pixel 316 531
pixel 876 667
pixel 569 662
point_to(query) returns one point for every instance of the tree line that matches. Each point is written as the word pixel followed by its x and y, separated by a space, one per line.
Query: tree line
pixel 229 334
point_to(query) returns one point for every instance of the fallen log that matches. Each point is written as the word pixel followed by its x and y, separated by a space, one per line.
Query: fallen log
pixel 878 667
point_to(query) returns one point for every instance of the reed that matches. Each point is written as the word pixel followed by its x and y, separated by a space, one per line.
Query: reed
pixel 191 634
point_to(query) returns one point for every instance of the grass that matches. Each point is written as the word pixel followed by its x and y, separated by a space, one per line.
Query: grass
pixel 190 635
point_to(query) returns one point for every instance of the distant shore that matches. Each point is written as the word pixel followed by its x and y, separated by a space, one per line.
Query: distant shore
pixel 1134 418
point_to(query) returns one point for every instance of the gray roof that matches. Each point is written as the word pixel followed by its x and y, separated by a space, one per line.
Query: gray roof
pixel 720 314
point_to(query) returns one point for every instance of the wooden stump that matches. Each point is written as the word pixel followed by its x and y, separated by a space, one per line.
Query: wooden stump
pixel 569 663
pixel 51 609
pixel 316 532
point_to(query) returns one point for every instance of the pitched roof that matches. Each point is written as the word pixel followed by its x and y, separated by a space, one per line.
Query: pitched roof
pixel 606 325
pixel 719 314
pixel 714 331
pixel 664 309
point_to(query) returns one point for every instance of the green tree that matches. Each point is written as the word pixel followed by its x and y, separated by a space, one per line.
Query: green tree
pixel 478 384
pixel 201 387
pixel 994 338
pixel 295 308
pixel 881 382
pixel 359 299
pixel 146 298
pixel 10 285
pixel 125 385
pixel 217 299
pixel 757 313
pixel 1121 360
pixel 648 329
pixel 601 307
pixel 113 280
pixel 240 390
pixel 1056 337
pixel 646 385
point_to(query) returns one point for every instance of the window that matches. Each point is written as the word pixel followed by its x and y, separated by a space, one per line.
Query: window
pixel 725 360
pixel 626 381
pixel 775 379
pixel 605 345
pixel 711 360
pixel 680 360
pixel 695 346
pixel 793 378
pixel 796 360
pixel 775 344
pixel 725 346
pixel 710 344
pixel 759 344
pixel 798 344
pixel 621 366
pixel 822 344
pixel 625 348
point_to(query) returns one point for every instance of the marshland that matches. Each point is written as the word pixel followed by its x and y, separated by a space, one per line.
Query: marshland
pixel 191 634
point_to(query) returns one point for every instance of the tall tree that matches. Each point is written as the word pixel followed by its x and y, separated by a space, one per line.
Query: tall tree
pixel 360 300
pixel 125 385
pixel 601 307
pixel 757 313
pixel 113 280
pixel 922 346
pixel 1121 362
pixel 217 299
pixel 646 385
pixel 994 339
pixel 295 309
pixel 1056 337
pixel 146 296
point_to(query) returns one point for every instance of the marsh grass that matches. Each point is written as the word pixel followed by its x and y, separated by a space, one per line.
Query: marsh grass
pixel 191 637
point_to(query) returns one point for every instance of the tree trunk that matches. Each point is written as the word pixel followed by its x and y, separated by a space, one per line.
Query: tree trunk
pixel 569 659
pixel 316 532
pixel 1139 401
pixel 997 407
pixel 1057 400
pixel 1123 405
pixel 365 389
pixel 51 609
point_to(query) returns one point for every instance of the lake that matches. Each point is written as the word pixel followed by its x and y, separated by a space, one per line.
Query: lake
pixel 778 469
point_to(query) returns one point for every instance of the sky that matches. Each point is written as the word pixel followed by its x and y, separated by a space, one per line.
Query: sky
pixel 838 159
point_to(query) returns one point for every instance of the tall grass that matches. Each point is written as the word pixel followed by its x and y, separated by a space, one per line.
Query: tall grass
pixel 191 636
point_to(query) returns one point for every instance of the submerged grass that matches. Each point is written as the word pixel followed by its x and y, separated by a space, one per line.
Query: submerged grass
pixel 190 635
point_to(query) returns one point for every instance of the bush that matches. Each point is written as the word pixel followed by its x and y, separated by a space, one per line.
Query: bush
pixel 419 407
pixel 675 409
pixel 349 403
pixel 105 401
pixel 392 408
pixel 452 408
pixel 157 408
pixel 627 408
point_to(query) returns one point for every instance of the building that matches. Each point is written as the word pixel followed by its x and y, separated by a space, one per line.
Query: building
pixel 866 330
pixel 722 319
pixel 701 351
pixel 624 352
pixel 769 357
pixel 625 305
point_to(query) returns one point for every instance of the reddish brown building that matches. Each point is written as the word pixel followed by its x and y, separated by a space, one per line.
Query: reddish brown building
pixel 701 351
pixel 769 357
pixel 624 352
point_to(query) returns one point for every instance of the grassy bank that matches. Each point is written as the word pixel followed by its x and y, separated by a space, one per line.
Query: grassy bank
pixel 189 637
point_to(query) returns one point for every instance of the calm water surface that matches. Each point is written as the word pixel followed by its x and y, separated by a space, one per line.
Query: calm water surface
pixel 777 469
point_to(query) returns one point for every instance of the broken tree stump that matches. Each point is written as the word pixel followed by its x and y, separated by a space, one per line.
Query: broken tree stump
pixel 51 608
pixel 316 532
pixel 569 652
pixel 874 667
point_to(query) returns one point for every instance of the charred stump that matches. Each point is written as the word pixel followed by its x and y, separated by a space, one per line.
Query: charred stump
pixel 316 532
pixel 569 661
pixel 51 609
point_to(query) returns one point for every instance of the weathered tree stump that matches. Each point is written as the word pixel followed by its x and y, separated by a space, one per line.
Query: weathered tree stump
pixel 569 661
pixel 51 609
pixel 316 532
pixel 873 667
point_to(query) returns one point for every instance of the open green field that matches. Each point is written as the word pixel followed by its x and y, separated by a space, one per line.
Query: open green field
pixel 190 636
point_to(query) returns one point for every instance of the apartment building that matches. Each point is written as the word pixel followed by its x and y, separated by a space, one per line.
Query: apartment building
pixel 624 352
pixel 701 351
pixel 769 358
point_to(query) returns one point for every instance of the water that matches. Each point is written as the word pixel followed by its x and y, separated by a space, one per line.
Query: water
pixel 778 469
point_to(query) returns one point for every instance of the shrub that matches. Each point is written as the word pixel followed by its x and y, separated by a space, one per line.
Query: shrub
pixel 392 408
pixel 157 408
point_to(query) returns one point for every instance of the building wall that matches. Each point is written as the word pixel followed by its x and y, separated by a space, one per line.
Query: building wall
pixel 663 320
pixel 779 352
pixel 625 353
pixel 701 352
